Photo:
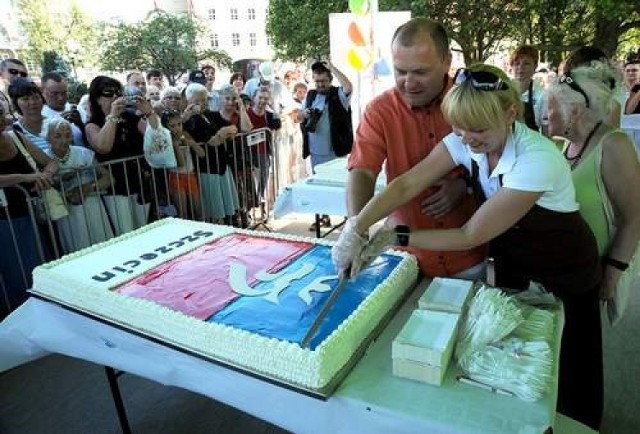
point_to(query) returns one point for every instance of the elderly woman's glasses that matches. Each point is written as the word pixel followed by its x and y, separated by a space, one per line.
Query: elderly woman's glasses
pixel 480 80
pixel 569 81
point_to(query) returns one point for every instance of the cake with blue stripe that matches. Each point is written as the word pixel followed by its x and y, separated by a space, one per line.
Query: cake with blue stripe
pixel 243 298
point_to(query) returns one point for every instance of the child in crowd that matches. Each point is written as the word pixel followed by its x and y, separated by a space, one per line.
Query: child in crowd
pixel 183 182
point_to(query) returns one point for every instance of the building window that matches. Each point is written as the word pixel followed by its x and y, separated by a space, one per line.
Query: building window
pixel 212 14
pixel 235 39
pixel 252 39
pixel 269 40
pixel 251 14
pixel 214 40
pixel 234 14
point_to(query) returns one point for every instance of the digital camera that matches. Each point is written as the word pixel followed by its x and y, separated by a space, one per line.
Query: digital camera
pixel 312 121
pixel 131 94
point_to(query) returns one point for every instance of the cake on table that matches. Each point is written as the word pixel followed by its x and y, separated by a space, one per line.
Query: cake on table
pixel 240 297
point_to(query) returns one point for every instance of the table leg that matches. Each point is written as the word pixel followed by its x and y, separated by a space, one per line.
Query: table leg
pixel 112 377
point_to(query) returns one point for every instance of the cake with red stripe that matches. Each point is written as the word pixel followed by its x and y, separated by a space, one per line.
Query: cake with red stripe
pixel 240 297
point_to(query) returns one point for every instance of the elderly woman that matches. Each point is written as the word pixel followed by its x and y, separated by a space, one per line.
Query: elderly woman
pixel 115 132
pixel 583 56
pixel 170 99
pixel 20 249
pixel 528 216
pixel 604 166
pixel 81 182
pixel 233 112
pixel 28 102
pixel 217 186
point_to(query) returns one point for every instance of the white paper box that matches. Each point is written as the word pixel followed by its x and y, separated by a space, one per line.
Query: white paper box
pixel 427 337
pixel 418 371
pixel 446 295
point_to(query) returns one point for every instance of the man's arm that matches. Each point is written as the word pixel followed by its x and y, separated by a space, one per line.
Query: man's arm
pixel 342 79
pixel 360 188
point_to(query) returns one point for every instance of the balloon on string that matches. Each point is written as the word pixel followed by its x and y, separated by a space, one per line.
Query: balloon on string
pixel 356 35
pixel 358 59
pixel 381 67
pixel 359 7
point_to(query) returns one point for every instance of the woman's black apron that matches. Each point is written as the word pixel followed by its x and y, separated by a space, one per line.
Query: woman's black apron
pixel 559 251
pixel 529 114
pixel 555 249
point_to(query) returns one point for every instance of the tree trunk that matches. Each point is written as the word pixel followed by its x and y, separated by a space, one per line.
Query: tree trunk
pixel 607 34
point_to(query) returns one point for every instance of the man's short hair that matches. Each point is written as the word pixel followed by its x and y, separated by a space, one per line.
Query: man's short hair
pixel 632 61
pixel 525 51
pixel 153 73
pixel 258 90
pixel 321 68
pixel 207 66
pixel 55 76
pixel 415 29
pixel 5 62
pixel 129 75
pixel 298 85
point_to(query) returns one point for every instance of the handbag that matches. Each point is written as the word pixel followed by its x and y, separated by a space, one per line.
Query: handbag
pixel 50 204
pixel 158 148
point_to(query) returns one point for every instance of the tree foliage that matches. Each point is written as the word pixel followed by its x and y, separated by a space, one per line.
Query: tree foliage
pixel 165 42
pixel 67 31
pixel 300 29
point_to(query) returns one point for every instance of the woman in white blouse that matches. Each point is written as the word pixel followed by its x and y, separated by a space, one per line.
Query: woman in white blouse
pixel 528 215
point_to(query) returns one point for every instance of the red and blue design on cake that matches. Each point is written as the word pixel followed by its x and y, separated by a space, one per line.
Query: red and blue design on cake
pixel 208 287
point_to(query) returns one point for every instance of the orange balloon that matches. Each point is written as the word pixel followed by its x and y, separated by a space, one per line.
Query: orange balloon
pixel 356 35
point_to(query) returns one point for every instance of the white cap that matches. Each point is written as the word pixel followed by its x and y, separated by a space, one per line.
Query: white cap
pixel 266 71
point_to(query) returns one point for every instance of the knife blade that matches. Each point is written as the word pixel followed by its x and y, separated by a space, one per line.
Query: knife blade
pixel 325 310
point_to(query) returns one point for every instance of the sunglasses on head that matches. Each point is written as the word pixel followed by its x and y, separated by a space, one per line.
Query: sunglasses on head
pixel 110 93
pixel 480 80
pixel 569 81
pixel 13 71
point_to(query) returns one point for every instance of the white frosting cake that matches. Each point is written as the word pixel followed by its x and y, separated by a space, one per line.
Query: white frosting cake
pixel 89 281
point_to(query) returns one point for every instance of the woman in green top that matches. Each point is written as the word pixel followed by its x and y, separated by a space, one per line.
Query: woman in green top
pixel 604 163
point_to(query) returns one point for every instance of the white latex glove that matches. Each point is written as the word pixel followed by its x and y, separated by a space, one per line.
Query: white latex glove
pixel 347 249
pixel 384 238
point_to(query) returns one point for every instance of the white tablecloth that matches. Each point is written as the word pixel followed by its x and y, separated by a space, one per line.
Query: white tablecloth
pixel 322 193
pixel 369 400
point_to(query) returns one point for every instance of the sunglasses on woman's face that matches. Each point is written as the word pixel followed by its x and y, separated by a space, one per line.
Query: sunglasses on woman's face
pixel 480 80
pixel 110 93
pixel 13 71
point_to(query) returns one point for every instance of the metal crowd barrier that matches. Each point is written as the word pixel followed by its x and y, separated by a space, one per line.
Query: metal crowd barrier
pixel 123 195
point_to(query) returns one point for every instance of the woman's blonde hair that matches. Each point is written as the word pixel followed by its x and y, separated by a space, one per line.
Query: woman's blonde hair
pixel 474 109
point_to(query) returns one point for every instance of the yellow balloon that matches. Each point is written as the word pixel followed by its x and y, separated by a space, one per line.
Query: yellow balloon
pixel 358 59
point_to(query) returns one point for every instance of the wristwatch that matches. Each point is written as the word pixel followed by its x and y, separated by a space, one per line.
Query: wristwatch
pixel 402 235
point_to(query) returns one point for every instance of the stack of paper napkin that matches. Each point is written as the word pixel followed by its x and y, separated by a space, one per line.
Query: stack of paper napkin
pixel 423 348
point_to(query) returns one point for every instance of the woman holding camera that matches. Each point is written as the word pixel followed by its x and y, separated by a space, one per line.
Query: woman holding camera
pixel 528 216
pixel 115 131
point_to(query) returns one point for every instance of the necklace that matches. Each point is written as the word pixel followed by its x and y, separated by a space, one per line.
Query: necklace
pixel 65 157
pixel 573 161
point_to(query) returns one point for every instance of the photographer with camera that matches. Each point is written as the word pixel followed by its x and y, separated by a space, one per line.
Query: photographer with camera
pixel 326 119
pixel 55 90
